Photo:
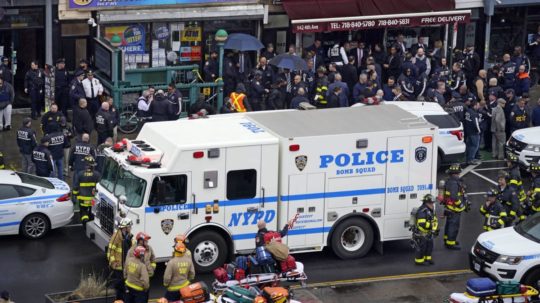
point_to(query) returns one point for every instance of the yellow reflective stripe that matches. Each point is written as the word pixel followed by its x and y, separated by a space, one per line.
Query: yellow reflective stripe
pixel 500 221
pixel 136 287
pixel 75 192
pixel 513 181
pixel 512 213
pixel 448 242
pixel 177 287
pixel 85 198
pixel 87 184
pixel 421 220
pixel 503 214
pixel 153 264
pixel 85 218
pixel 421 260
pixel 428 258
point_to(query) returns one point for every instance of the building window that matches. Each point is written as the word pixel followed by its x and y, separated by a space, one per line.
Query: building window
pixel 172 190
pixel 241 184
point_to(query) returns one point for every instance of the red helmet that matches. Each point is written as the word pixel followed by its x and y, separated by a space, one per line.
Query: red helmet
pixel 181 239
pixel 139 251
pixel 180 247
pixel 142 236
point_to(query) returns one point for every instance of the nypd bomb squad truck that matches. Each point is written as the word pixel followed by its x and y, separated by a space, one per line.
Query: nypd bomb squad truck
pixel 350 176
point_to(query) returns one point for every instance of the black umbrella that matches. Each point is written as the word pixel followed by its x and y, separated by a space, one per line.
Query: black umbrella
pixel 289 61
pixel 243 42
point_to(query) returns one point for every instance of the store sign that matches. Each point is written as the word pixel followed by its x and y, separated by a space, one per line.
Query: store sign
pixel 133 38
pixel 162 33
pixel 191 34
pixel 368 23
pixel 93 4
pixel 190 53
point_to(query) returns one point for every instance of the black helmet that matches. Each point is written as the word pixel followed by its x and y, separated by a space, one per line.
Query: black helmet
pixel 534 167
pixel 90 161
pixel 512 158
pixel 492 193
pixel 503 174
pixel 454 169
pixel 428 198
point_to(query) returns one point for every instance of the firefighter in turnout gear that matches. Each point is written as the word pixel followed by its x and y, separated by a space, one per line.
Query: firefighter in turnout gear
pixel 120 242
pixel 424 230
pixel 136 275
pixel 534 192
pixel 178 273
pixel 85 189
pixel 508 197
pixel 516 184
pixel 455 203
pixel 149 257
pixel 493 211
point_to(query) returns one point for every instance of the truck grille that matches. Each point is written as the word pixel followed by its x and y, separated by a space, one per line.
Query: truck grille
pixel 485 254
pixel 105 214
pixel 516 145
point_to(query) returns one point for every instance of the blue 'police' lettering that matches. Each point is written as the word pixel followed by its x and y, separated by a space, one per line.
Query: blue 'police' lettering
pixel 359 159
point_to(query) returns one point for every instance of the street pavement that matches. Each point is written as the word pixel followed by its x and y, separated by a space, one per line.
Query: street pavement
pixel 32 268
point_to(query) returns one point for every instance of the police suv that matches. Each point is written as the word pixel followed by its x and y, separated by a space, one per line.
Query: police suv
pixel 31 205
pixel 525 143
pixel 511 253
pixel 351 182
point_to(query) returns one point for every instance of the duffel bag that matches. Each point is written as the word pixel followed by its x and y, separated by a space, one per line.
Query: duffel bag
pixel 279 250
pixel 263 256
pixel 221 275
pixel 239 294
pixel 508 287
pixel 272 236
pixel 289 264
pixel 242 262
pixel 275 294
pixel 481 287
pixel 195 293
pixel 239 274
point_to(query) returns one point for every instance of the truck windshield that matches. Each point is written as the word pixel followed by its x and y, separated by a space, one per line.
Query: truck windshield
pixel 122 182
pixel 530 228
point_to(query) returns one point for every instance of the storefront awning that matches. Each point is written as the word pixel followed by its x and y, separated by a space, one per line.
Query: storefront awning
pixel 380 21
pixel 256 11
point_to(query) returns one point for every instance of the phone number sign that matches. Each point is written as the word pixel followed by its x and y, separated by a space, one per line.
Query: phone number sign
pixel 349 25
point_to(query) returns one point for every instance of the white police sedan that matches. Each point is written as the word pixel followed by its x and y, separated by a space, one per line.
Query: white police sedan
pixel 31 205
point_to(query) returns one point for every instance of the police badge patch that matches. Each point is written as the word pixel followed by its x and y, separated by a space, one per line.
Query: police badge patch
pixel 420 154
pixel 301 162
pixel 167 225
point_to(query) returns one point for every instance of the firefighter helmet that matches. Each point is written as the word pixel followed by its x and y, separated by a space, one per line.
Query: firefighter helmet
pixel 512 158
pixel 90 161
pixel 180 247
pixel 428 198
pixel 139 251
pixel 454 169
pixel 503 174
pixel 181 239
pixel 492 193
pixel 142 236
pixel 125 222
pixel 534 167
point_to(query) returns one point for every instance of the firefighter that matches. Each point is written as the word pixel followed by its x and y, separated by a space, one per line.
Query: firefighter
pixel 494 212
pixel 321 88
pixel 425 229
pixel 516 183
pixel 85 189
pixel 136 275
pixel 508 197
pixel 534 191
pixel 182 239
pixel 178 273
pixel 150 257
pixel 117 249
pixel 455 203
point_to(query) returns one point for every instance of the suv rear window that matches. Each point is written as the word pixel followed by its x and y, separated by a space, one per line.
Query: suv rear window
pixel 443 121
pixel 36 181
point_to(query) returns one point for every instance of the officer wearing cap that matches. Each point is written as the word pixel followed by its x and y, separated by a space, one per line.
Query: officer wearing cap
pixel 211 67
pixel 26 140
pixel 493 211
pixel 257 91
pixel 42 158
pixel 83 67
pixel 34 82
pixel 51 120
pixel 534 191
pixel 508 197
pixel 455 203
pixel 61 86
pixel 76 89
pixel 85 187
pixel 5 71
pixel 425 229
pixel 92 90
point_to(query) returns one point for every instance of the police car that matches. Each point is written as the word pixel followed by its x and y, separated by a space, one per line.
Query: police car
pixel 31 205
pixel 525 143
pixel 511 253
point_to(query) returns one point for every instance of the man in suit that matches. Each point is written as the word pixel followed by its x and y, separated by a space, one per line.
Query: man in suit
pixel 360 54
pixel 400 45
pixel 419 44
pixel 316 58
pixel 318 51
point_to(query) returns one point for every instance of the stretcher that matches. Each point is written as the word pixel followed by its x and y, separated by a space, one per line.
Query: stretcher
pixel 212 299
pixel 265 279
pixel 525 297
pixel 222 299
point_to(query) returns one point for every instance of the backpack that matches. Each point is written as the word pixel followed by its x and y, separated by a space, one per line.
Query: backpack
pixel 278 250
pixel 195 293
pixel 239 294
pixel 288 265
pixel 263 257
pixel 221 275
pixel 275 294
pixel 272 235
pixel 242 262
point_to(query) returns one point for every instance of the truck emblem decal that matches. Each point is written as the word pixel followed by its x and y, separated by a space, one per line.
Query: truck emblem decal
pixel 420 154
pixel 167 225
pixel 301 162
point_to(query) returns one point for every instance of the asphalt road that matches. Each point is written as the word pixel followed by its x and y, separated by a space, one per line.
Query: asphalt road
pixel 29 269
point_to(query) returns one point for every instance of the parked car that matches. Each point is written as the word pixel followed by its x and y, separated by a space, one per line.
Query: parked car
pixel 525 143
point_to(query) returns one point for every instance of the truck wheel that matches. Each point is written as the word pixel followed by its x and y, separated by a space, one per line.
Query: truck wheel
pixel 209 251
pixel 35 226
pixel 533 278
pixel 353 238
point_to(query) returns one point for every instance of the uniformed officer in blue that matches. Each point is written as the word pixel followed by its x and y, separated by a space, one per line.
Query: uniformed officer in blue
pixel 174 96
pixel 425 229
pixel 455 203
pixel 42 158
pixel 34 82
pixel 26 140
pixel 61 86
pixel 76 89
pixel 58 141
pixel 51 120
pixel 519 116
pixel 79 151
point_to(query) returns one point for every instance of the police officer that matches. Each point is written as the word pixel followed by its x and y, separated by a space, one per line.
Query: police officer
pixel 268 75
pixel 425 229
pixel 262 230
pixel 211 68
pixel 137 278
pixel 174 96
pixel 257 91
pixel 457 78
pixel 508 197
pixel 521 59
pixel 516 183
pixel 494 212
pixel 42 158
pixel 51 120
pixel 79 151
pixel 119 244
pixel 61 86
pixel 455 203
pixel 457 106
pixel 509 71
pixel 178 273
pixel 34 82
pixel 100 153
pixel 519 116
pixel 5 70
pixel 26 140
pixel 85 188
pixel 76 89
pixel 230 74
pixel 104 123
pixel 58 141
pixel 534 191
pixel 472 133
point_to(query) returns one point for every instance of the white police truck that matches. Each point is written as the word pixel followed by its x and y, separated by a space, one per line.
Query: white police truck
pixel 525 144
pixel 351 176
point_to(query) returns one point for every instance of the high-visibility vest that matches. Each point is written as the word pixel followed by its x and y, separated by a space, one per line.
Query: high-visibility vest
pixel 238 102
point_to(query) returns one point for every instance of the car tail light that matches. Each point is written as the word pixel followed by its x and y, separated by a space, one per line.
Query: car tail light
pixel 458 134
pixel 64 198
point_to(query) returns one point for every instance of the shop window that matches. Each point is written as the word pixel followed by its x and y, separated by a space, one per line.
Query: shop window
pixel 241 184
pixel 168 190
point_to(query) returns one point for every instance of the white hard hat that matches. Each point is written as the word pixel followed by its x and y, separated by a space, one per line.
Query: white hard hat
pixel 125 222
